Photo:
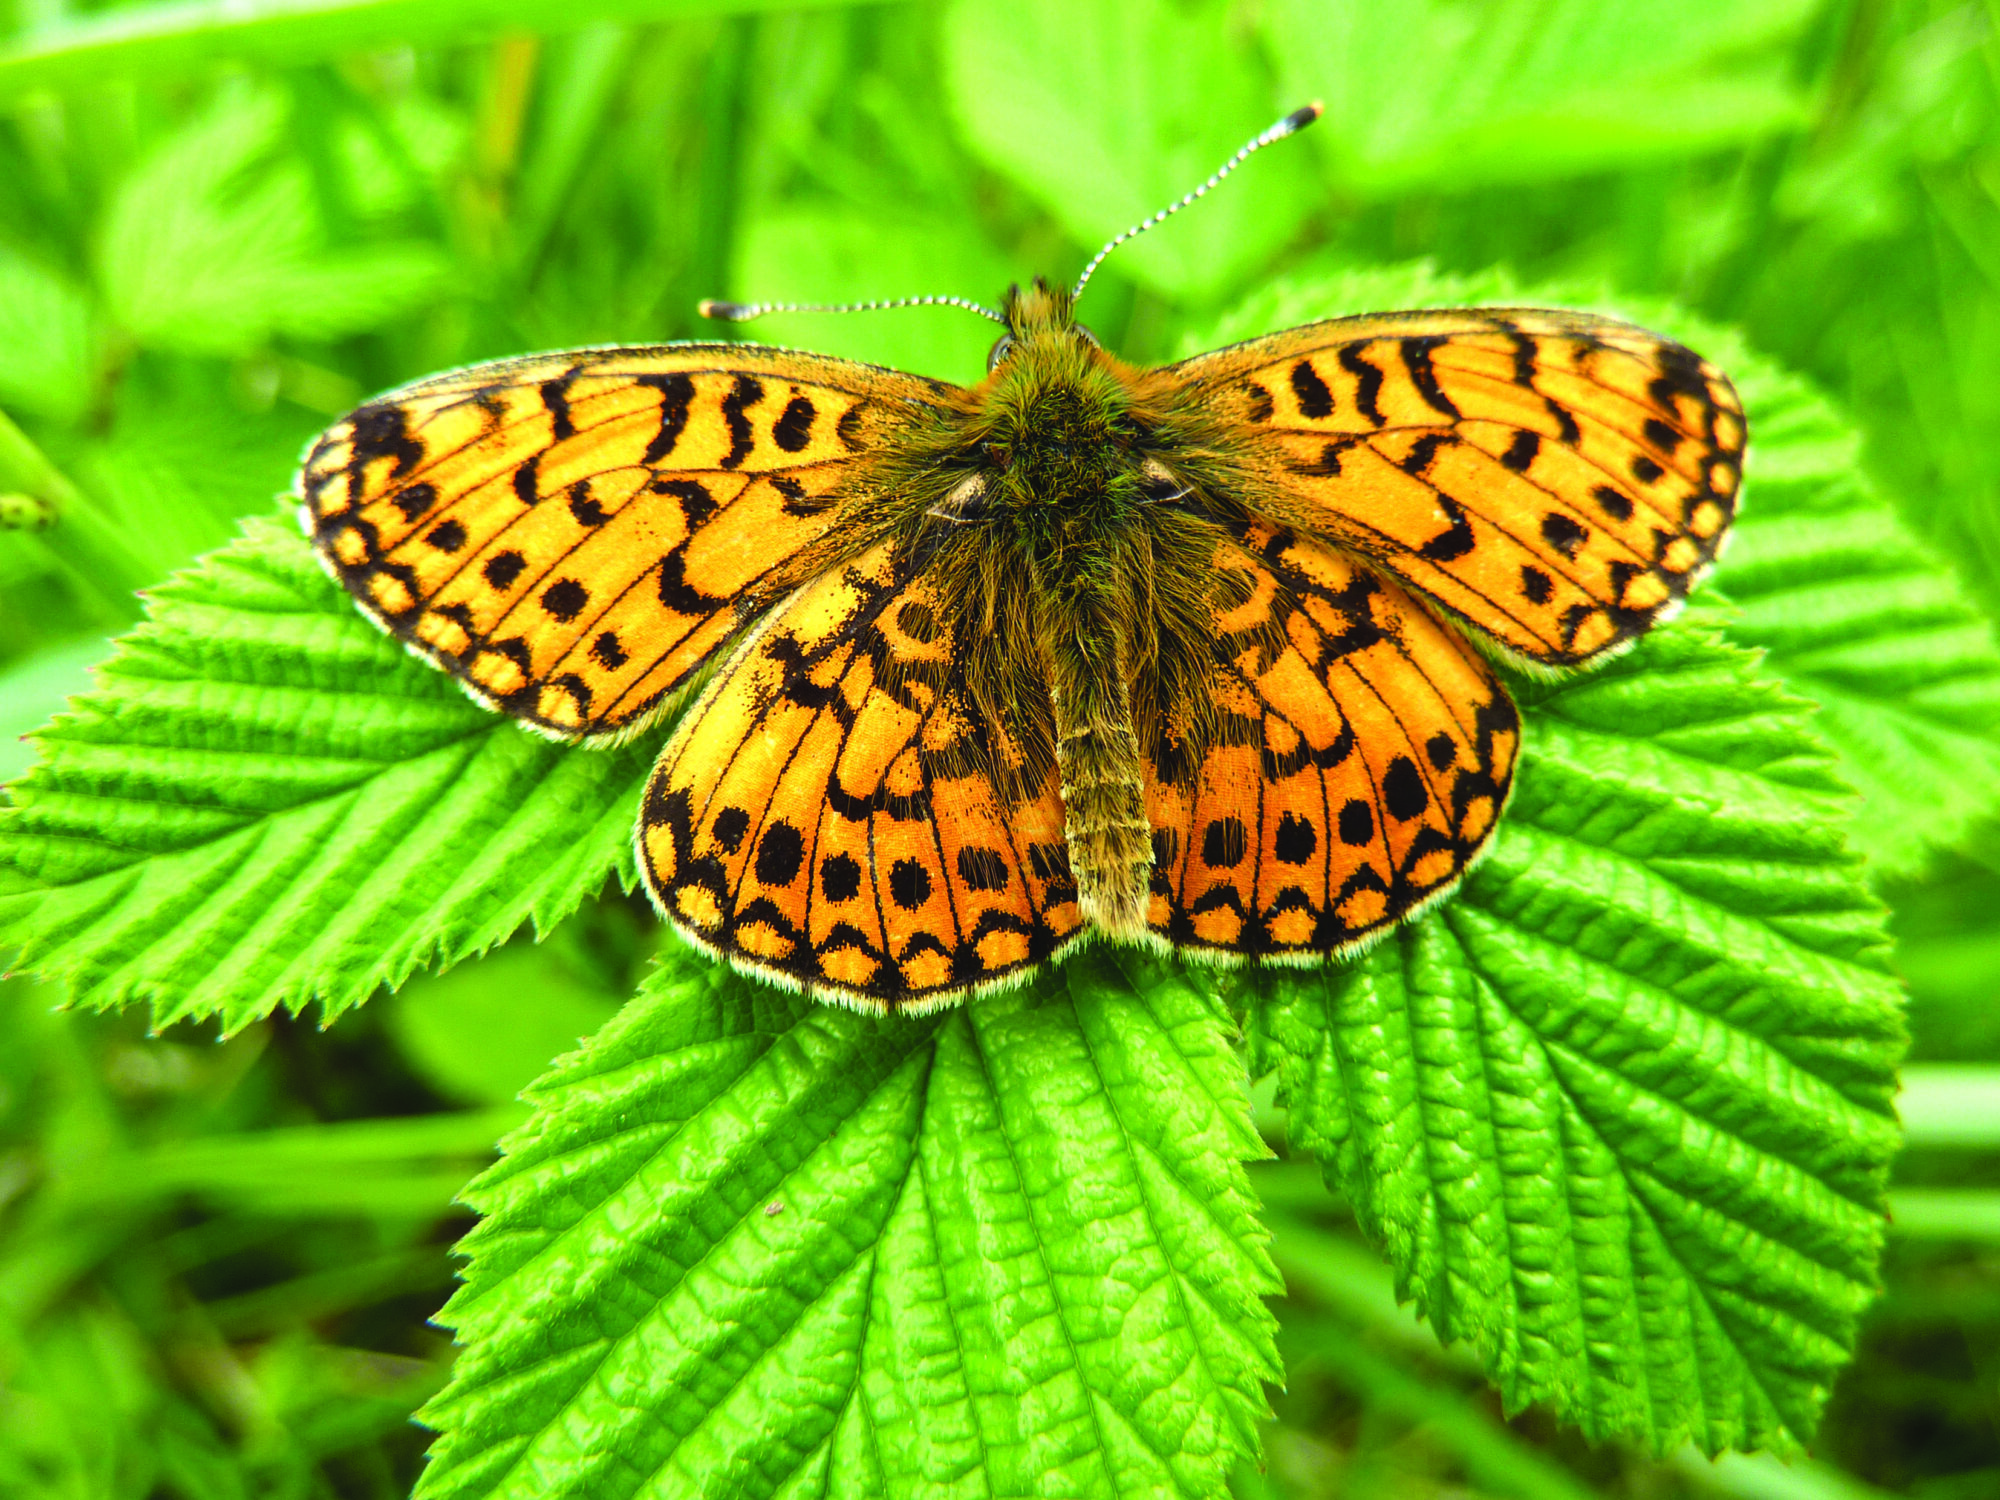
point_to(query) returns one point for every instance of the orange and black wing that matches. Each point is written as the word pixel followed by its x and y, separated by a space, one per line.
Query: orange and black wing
pixel 1558 481
pixel 835 812
pixel 570 535
pixel 1356 765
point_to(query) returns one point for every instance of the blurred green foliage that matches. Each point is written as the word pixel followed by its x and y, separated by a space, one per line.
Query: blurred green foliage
pixel 220 227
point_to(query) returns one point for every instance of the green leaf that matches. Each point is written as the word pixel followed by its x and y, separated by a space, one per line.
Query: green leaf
pixel 1093 107
pixel 1621 1112
pixel 749 1245
pixel 49 346
pixel 1430 94
pixel 1862 618
pixel 1854 612
pixel 267 801
pixel 213 244
pixel 485 1031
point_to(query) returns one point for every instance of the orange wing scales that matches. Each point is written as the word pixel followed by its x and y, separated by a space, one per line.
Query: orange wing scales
pixel 571 536
pixel 1557 481
pixel 1364 755
pixel 836 813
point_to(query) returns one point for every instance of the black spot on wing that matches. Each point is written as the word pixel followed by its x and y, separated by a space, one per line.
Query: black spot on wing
pixel 446 536
pixel 779 853
pixel 1403 790
pixel 848 429
pixel 1295 840
pixel 1456 542
pixel 697 505
pixel 745 394
pixel 1526 352
pixel 608 651
pixel 1357 823
pixel 1327 465
pixel 797 501
pixel 1521 452
pixel 565 599
pixel 383 432
pixel 527 480
pixel 839 878
pixel 1423 374
pixel 413 500
pixel 1224 843
pixel 1315 400
pixel 503 568
pixel 982 869
pixel 1615 503
pixel 1563 534
pixel 676 397
pixel 555 398
pixel 730 826
pixel 1368 383
pixel 793 429
pixel 909 884
pixel 1661 435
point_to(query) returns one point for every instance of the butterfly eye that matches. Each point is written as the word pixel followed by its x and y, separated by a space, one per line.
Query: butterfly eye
pixel 1086 336
pixel 1002 347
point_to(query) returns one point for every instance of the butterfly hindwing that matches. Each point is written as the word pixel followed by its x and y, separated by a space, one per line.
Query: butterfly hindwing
pixel 1358 764
pixel 1557 480
pixel 570 535
pixel 836 812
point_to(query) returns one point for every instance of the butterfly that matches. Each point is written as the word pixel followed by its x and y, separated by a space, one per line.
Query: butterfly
pixel 1200 655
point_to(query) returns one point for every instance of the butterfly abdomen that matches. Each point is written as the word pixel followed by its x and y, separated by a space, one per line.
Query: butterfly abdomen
pixel 1097 756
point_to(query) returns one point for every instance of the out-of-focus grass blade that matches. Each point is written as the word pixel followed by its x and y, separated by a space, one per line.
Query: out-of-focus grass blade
pixel 390 1168
pixel 1758 1476
pixel 158 39
pixel 1971 1214
pixel 1947 1104
pixel 1353 1281
pixel 1496 1460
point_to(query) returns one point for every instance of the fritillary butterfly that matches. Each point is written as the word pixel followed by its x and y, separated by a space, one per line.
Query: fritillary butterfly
pixel 1195 655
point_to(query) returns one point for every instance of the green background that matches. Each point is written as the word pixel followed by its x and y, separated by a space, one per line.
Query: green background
pixel 221 228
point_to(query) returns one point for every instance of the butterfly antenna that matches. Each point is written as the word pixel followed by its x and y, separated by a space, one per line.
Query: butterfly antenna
pixel 1294 122
pixel 743 312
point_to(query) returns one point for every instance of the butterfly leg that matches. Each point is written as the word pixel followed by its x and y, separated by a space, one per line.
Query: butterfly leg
pixel 966 502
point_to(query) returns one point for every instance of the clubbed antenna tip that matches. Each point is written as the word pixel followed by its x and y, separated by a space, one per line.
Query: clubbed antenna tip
pixel 1292 123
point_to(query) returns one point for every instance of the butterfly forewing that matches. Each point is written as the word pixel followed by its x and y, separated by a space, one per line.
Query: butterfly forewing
pixel 1556 480
pixel 836 812
pixel 1362 756
pixel 572 535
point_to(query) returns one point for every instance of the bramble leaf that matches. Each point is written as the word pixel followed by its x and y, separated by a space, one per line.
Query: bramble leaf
pixel 749 1245
pixel 1620 1112
pixel 267 802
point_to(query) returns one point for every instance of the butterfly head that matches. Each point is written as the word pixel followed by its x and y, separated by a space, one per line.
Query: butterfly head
pixel 1041 318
